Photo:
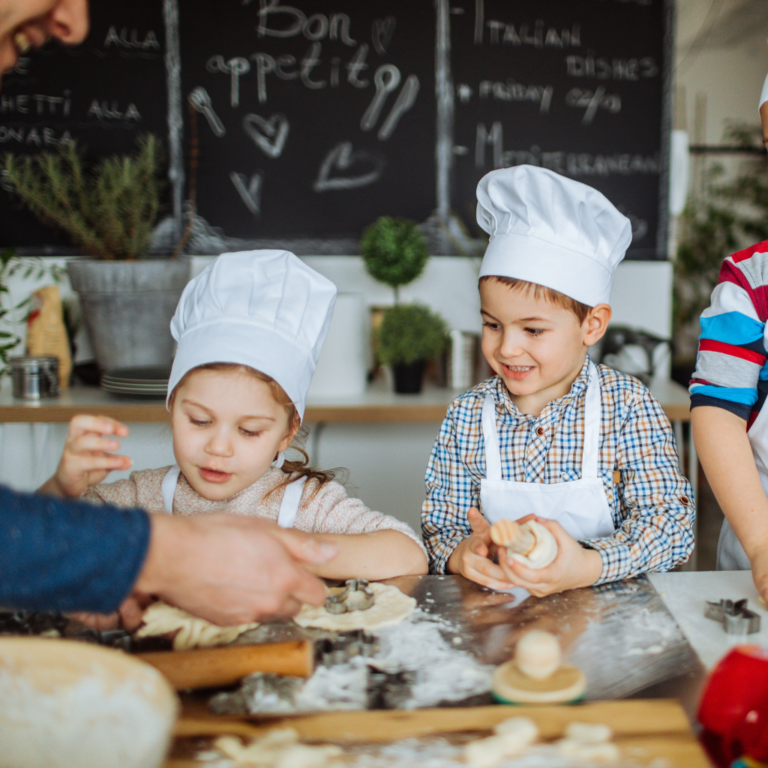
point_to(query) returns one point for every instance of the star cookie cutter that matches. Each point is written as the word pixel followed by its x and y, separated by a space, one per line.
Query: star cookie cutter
pixel 340 602
pixel 735 617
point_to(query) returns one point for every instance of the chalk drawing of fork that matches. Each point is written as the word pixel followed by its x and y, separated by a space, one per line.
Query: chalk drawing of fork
pixel 201 101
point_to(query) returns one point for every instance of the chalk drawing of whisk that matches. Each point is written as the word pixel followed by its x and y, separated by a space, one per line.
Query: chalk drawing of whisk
pixel 201 101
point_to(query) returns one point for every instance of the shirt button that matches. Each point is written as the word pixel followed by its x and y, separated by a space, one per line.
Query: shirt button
pixel 685 500
pixel 540 431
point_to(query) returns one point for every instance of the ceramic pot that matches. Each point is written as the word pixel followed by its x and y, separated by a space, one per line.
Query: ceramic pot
pixel 409 377
pixel 128 306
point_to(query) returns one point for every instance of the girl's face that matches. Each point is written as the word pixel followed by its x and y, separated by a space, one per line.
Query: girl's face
pixel 227 428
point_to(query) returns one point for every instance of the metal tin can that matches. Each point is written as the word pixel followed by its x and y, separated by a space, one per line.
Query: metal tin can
pixel 34 377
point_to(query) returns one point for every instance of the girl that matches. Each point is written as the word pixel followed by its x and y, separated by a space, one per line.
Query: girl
pixel 250 329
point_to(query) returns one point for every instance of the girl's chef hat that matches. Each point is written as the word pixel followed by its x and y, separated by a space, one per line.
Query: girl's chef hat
pixel 551 230
pixel 264 309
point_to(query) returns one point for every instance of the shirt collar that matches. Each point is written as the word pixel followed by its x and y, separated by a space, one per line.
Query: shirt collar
pixel 501 393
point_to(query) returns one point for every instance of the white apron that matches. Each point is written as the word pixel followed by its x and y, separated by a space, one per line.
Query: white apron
pixel 288 508
pixel 730 554
pixel 580 506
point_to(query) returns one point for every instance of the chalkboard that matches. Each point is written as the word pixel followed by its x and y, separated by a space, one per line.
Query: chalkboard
pixel 309 119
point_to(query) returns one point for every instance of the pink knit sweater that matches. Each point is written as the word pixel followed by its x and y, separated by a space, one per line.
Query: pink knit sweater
pixel 330 510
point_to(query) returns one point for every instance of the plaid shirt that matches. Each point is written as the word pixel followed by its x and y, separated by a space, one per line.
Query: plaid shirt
pixel 651 505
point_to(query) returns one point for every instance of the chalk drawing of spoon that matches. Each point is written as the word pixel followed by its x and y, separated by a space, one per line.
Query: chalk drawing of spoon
pixel 269 135
pixel 201 101
pixel 341 158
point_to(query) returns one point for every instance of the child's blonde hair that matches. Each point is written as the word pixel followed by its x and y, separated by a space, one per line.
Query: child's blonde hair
pixel 542 292
pixel 295 469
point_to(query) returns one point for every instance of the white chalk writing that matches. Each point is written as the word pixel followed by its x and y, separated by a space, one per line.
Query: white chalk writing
pixel 591 101
pixel 131 39
pixel 315 27
pixel 110 110
pixel 38 137
pixel 334 174
pixel 269 135
pixel 39 104
pixel 249 190
pixel 611 69
pixel 512 91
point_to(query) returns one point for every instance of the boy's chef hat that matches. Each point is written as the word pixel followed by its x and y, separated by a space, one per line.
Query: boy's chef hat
pixel 551 230
pixel 264 309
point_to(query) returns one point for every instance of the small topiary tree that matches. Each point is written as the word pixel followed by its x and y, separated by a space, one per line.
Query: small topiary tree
pixel 394 252
pixel 409 333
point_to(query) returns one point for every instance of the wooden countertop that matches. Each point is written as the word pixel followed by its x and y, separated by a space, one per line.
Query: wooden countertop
pixel 378 404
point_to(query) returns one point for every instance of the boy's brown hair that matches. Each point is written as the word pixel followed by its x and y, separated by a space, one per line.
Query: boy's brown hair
pixel 542 292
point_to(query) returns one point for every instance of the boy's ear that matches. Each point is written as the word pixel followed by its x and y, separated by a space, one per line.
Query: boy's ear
pixel 596 324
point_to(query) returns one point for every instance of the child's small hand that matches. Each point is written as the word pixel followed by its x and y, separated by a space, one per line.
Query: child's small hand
pixel 86 459
pixel 573 567
pixel 472 558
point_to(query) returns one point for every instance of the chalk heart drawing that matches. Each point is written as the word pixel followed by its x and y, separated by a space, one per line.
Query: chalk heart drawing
pixel 345 168
pixel 382 32
pixel 269 135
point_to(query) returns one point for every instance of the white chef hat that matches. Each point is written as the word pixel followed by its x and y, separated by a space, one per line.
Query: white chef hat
pixel 764 94
pixel 264 309
pixel 551 230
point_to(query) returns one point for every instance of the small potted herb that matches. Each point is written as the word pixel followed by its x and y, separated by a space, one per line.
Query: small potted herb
pixel 109 209
pixel 395 253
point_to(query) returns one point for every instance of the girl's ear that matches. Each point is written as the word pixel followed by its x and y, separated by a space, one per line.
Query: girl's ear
pixel 290 434
pixel 596 324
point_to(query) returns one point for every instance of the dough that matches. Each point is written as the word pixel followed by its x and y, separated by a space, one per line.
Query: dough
pixel 390 606
pixel 191 631
pixel 538 654
pixel 511 737
pixel 278 749
pixel 545 550
pixel 588 733
pixel 597 752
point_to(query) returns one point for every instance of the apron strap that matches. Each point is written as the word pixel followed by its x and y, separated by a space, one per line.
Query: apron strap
pixel 491 437
pixel 592 419
pixel 169 488
pixel 290 504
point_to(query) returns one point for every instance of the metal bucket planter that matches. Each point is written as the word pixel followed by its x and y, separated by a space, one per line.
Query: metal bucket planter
pixel 128 306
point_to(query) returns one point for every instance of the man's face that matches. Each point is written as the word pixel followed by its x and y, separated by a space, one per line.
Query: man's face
pixel 27 24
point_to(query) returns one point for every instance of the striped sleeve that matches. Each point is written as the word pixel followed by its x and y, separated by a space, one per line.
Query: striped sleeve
pixel 732 354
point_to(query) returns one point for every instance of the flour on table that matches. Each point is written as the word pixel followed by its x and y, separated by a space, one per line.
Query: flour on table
pixel 511 738
pixel 279 749
pixel 390 606
pixel 191 631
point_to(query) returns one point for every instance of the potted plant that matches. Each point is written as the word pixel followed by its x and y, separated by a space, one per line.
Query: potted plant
pixel 395 253
pixel 109 210
pixel 409 335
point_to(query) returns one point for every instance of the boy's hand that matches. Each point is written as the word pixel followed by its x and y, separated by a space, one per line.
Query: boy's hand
pixel 472 558
pixel 86 459
pixel 573 567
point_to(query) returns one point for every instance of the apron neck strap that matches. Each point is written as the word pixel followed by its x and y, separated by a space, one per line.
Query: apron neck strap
pixel 168 488
pixel 491 437
pixel 592 418
pixel 289 507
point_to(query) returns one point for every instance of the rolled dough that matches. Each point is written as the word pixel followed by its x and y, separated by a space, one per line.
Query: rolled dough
pixel 279 749
pixel 191 631
pixel 390 606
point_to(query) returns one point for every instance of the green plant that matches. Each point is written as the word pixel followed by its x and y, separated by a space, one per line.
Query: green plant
pixel 394 252
pixel 410 332
pixel 12 314
pixel 725 216
pixel 108 209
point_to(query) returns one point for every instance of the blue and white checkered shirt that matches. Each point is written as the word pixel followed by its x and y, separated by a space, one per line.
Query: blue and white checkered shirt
pixel 651 504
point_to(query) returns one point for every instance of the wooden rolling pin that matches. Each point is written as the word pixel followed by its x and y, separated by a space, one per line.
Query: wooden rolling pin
pixel 209 667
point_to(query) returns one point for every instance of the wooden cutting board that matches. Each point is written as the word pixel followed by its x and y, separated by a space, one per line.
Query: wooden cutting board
pixel 644 729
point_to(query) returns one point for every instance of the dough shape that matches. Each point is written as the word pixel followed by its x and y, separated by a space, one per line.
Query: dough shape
pixel 511 738
pixel 597 752
pixel 538 654
pixel 390 606
pixel 588 733
pixel 545 550
pixel 278 749
pixel 191 631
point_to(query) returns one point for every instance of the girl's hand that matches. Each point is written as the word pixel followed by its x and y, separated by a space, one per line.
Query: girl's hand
pixel 472 558
pixel 573 567
pixel 86 459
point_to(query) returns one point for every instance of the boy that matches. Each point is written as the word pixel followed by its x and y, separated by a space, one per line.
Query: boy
pixel 585 449
pixel 728 393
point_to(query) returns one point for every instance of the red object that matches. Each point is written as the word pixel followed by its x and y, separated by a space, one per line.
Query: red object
pixel 734 708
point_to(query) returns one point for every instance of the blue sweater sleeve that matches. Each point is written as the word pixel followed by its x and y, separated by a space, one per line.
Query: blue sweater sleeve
pixel 68 555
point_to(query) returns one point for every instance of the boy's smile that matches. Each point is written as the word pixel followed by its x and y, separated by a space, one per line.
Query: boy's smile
pixel 536 347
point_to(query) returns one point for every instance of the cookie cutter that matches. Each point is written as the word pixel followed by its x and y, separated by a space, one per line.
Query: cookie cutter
pixel 340 603
pixel 735 617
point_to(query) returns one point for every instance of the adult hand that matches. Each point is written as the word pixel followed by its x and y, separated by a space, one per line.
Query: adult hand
pixel 230 569
pixel 86 459
pixel 472 558
pixel 759 563
pixel 573 567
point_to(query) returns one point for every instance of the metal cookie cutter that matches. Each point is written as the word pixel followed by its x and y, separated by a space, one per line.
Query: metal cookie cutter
pixel 340 601
pixel 735 617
